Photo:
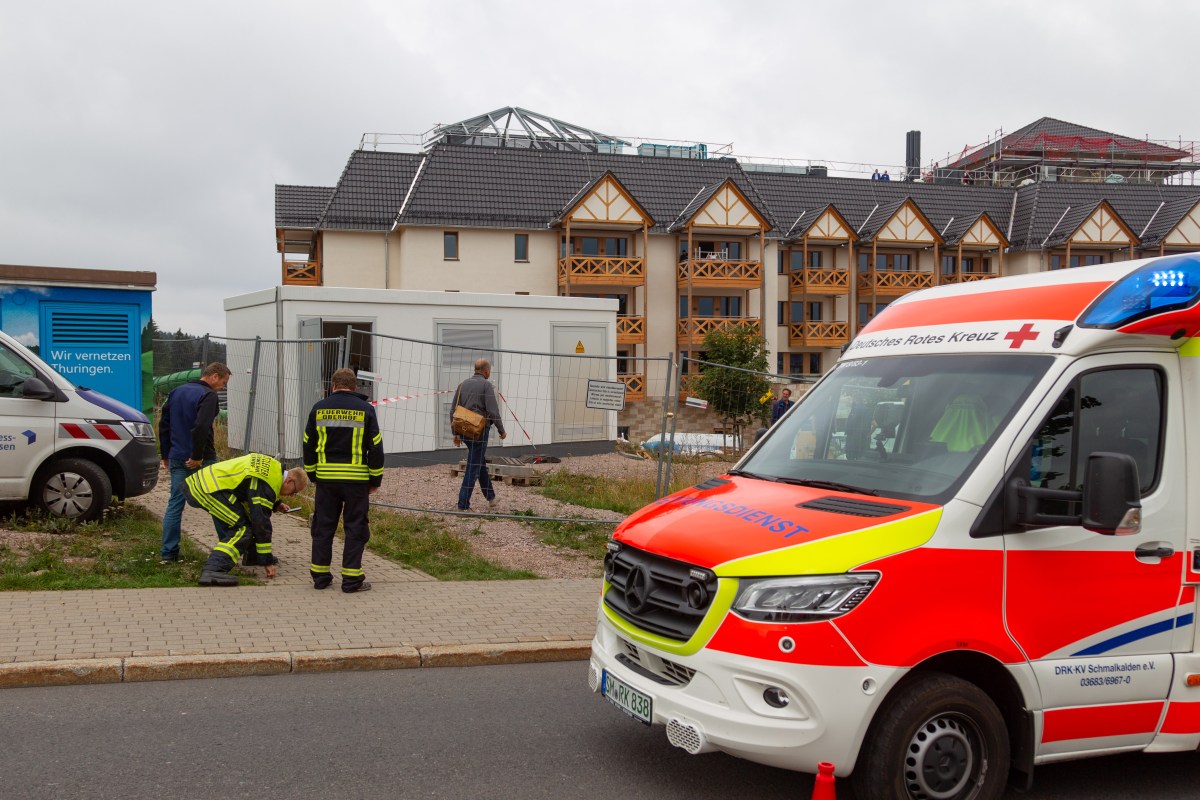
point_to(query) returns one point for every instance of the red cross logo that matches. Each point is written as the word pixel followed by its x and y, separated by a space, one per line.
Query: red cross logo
pixel 1024 334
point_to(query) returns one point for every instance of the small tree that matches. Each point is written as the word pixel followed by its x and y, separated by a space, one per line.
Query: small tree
pixel 736 396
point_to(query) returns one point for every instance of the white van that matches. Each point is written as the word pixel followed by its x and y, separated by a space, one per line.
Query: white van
pixel 972 548
pixel 65 449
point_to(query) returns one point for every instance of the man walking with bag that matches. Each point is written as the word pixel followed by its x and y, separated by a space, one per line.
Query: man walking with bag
pixel 343 454
pixel 476 394
pixel 185 439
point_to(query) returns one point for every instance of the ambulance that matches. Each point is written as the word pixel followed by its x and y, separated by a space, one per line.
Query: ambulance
pixel 65 449
pixel 970 549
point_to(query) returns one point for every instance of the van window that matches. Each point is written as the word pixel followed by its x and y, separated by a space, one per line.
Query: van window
pixel 1114 411
pixel 910 426
pixel 14 371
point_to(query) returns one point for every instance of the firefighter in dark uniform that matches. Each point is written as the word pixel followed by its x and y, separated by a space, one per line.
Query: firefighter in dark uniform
pixel 240 494
pixel 343 455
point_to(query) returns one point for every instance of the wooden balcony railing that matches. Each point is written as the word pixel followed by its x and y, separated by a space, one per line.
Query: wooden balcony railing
pixel 721 272
pixel 635 385
pixel 967 277
pixel 819 281
pixel 691 331
pixel 631 330
pixel 818 334
pixel 599 270
pixel 302 273
pixel 894 283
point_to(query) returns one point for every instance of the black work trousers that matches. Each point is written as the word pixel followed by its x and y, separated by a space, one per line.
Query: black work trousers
pixel 349 502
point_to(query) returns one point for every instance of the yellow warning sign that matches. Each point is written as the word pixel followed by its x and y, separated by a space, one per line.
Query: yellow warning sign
pixel 579 346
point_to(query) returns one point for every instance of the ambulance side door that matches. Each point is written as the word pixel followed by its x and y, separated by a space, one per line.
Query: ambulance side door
pixel 26 425
pixel 1096 614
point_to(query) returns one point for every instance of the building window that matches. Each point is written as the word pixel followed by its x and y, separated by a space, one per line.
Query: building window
pixel 893 262
pixel 814 259
pixel 864 312
pixel 948 265
pixel 779 363
pixel 1058 262
pixel 780 313
pixel 797 262
pixel 450 246
pixel 521 247
pixel 615 247
pixel 796 364
pixel 814 313
pixel 814 363
pixel 779 260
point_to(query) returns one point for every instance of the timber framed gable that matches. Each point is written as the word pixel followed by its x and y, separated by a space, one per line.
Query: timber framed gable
pixel 1186 233
pixel 1103 228
pixel 984 233
pixel 908 225
pixel 831 226
pixel 607 203
pixel 728 209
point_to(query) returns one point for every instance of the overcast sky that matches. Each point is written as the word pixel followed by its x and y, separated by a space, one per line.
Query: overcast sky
pixel 150 135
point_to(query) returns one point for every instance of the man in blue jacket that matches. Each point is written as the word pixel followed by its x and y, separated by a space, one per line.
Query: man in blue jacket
pixel 781 406
pixel 185 441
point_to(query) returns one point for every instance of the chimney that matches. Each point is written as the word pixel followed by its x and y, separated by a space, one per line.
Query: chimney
pixel 912 155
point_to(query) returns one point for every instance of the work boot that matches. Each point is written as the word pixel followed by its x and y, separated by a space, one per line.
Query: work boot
pixel 365 586
pixel 322 583
pixel 210 578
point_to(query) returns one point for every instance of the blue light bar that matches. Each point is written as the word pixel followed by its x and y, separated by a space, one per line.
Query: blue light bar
pixel 1166 284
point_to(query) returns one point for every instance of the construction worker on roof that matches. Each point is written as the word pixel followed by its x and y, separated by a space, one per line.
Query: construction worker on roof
pixel 240 494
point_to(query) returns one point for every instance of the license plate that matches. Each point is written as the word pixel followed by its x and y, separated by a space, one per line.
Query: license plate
pixel 625 697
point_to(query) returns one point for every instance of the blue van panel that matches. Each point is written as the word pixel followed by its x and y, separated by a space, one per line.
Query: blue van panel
pixel 95 345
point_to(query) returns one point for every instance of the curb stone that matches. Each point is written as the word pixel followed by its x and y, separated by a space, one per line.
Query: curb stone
pixel 134 669
pixel 61 673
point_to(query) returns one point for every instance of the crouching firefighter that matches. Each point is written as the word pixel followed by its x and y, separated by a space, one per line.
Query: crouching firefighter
pixel 241 494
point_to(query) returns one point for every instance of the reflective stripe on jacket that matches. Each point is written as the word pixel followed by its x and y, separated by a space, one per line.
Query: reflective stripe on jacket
pixel 342 442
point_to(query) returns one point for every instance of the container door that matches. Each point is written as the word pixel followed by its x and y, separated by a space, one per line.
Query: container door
pixel 96 346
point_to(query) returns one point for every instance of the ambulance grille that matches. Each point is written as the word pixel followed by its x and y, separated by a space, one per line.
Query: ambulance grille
pixel 650 592
pixel 664 671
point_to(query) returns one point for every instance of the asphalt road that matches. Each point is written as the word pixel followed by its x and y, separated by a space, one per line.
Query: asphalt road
pixel 487 732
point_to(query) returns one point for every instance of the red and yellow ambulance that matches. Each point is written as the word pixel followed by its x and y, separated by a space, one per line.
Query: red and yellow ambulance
pixel 968 550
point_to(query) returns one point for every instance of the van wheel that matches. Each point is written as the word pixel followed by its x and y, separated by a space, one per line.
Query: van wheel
pixel 938 738
pixel 73 488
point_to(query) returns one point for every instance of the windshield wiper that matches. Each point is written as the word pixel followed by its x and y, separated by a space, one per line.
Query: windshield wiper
pixel 834 485
pixel 741 473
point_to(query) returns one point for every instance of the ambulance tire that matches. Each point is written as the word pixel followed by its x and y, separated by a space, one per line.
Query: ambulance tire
pixel 71 487
pixel 937 737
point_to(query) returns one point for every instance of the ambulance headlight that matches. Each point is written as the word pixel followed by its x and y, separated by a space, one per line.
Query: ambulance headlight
pixel 140 430
pixel 806 598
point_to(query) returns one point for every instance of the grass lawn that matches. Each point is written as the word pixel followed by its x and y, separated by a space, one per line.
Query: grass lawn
pixel 423 542
pixel 117 552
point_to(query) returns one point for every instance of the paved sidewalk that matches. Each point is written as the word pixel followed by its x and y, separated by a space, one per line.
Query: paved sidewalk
pixel 407 620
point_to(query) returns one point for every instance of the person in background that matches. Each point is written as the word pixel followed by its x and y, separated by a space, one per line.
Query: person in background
pixel 185 441
pixel 343 455
pixel 240 494
pixel 781 405
pixel 478 395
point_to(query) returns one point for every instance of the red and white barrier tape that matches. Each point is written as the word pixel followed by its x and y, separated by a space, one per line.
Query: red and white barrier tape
pixel 383 401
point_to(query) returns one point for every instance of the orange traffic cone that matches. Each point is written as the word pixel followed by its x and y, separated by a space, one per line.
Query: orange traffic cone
pixel 823 785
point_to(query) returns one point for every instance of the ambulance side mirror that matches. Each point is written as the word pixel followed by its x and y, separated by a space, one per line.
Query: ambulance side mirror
pixel 1112 497
pixel 36 389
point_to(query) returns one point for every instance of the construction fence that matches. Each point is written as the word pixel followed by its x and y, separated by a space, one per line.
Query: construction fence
pixel 550 403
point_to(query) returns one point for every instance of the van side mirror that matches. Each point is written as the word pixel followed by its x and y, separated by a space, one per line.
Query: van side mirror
pixel 36 389
pixel 1112 497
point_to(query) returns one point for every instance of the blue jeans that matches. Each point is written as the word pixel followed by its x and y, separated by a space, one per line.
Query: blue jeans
pixel 173 516
pixel 476 471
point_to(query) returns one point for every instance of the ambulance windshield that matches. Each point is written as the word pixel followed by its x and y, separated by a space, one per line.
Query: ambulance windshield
pixel 906 426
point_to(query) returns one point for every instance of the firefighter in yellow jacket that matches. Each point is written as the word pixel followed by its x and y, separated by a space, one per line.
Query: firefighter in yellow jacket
pixel 241 495
pixel 343 454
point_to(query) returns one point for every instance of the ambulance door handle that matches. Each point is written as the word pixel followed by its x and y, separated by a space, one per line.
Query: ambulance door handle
pixel 1154 551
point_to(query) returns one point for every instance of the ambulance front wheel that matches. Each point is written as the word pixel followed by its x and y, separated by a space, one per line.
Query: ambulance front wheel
pixel 937 738
pixel 73 488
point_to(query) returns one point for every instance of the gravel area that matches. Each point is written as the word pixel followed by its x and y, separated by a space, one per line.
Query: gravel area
pixel 514 544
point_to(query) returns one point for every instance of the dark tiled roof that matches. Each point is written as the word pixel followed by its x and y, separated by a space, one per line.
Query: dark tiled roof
pixel 1167 217
pixel 1058 139
pixel 508 187
pixel 879 218
pixel 959 226
pixel 371 190
pixel 1069 222
pixel 703 196
pixel 300 206
pixel 1041 206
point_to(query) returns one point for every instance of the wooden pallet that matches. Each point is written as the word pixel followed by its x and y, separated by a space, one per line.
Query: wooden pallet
pixel 504 473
